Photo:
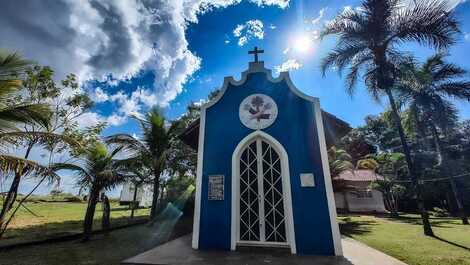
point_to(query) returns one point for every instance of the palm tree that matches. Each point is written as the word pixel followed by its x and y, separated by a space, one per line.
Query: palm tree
pixel 12 67
pixel 97 171
pixel 339 161
pixel 152 150
pixel 427 89
pixel 368 41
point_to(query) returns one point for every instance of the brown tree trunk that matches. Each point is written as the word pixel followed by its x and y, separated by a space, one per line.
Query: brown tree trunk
pixel 440 161
pixel 413 174
pixel 455 192
pixel 134 198
pixel 13 191
pixel 10 198
pixel 90 212
pixel 105 222
pixel 156 190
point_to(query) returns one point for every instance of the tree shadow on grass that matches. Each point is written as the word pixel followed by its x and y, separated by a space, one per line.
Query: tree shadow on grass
pixel 451 243
pixel 58 229
pixel 349 227
pixel 436 222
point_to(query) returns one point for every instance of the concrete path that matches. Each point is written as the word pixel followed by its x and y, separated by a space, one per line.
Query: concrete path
pixel 360 254
pixel 179 252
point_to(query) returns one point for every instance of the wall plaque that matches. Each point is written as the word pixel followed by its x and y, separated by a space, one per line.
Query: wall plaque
pixel 216 187
pixel 307 180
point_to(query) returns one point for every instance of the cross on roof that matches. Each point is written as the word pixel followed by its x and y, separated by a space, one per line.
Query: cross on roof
pixel 255 52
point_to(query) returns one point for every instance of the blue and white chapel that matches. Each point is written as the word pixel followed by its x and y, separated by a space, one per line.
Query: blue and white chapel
pixel 263 178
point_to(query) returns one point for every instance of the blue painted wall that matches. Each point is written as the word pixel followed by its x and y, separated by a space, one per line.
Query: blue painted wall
pixel 295 129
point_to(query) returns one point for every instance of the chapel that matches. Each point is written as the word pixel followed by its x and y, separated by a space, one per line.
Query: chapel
pixel 263 178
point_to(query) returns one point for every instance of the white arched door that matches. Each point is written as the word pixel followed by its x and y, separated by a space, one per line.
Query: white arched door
pixel 262 194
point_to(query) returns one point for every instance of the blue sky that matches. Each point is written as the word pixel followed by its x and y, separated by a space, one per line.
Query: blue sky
pixel 207 39
pixel 131 55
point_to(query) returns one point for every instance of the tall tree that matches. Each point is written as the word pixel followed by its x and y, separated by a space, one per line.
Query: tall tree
pixel 427 89
pixel 368 41
pixel 97 170
pixel 152 149
pixel 55 132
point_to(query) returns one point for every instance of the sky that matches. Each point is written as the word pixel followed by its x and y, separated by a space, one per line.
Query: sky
pixel 130 55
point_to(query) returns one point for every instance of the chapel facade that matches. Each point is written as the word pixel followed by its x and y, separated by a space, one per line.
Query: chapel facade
pixel 262 171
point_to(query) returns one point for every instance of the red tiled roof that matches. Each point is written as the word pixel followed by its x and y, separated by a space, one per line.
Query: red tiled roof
pixel 359 175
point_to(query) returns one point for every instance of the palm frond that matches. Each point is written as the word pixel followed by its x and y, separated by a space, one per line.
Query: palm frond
pixel 13 164
pixel 128 142
pixel 26 113
pixel 457 89
pixel 13 137
pixel 427 22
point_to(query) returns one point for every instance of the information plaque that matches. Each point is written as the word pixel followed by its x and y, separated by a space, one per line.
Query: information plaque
pixel 216 187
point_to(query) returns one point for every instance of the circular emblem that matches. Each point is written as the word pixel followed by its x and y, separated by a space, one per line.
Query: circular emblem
pixel 258 111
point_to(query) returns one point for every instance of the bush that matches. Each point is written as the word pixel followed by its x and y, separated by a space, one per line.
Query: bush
pixel 439 212
pixel 72 199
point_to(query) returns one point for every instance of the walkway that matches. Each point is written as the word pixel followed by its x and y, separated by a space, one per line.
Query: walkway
pixel 179 252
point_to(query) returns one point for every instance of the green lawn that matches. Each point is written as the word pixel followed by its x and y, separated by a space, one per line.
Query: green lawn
pixel 101 249
pixel 60 218
pixel 403 238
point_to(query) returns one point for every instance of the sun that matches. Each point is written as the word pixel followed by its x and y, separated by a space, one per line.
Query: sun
pixel 302 43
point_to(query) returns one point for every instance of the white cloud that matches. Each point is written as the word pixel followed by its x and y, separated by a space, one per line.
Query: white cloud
pixel 227 41
pixel 286 50
pixel 271 26
pixel 321 13
pixel 96 39
pixel 201 102
pixel 251 29
pixel 116 120
pixel 291 64
pixel 279 3
pixel 98 95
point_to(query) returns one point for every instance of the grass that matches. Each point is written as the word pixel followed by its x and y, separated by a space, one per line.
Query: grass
pixel 403 238
pixel 101 249
pixel 59 218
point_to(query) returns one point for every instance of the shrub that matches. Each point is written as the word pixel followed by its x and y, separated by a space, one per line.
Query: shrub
pixel 439 212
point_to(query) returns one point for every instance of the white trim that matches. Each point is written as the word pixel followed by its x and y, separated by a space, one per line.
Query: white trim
pixel 256 67
pixel 285 183
pixel 200 159
pixel 326 174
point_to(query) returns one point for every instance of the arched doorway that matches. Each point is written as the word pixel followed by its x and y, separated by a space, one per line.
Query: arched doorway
pixel 261 200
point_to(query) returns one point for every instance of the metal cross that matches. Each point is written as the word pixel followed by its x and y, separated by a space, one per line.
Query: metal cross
pixel 255 52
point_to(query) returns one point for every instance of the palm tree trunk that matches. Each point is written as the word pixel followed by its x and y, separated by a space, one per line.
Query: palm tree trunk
pixel 105 222
pixel 156 191
pixel 455 192
pixel 90 212
pixel 437 145
pixel 134 198
pixel 440 161
pixel 413 174
pixel 13 191
pixel 10 199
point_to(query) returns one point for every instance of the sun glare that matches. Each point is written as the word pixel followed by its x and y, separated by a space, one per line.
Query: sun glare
pixel 303 43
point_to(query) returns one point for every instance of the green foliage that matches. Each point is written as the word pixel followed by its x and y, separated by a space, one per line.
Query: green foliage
pixel 439 212
pixel 339 161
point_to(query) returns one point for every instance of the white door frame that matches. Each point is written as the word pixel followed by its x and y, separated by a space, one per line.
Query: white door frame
pixel 286 186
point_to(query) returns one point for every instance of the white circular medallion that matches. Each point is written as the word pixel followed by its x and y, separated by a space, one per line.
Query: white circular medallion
pixel 258 111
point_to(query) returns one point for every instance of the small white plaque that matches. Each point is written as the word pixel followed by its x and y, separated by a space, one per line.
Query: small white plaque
pixel 307 180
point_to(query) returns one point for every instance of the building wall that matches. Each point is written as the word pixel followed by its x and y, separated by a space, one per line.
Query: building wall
pixel 360 204
pixel 295 129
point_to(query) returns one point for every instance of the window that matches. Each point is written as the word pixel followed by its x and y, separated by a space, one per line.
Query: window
pixel 364 193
